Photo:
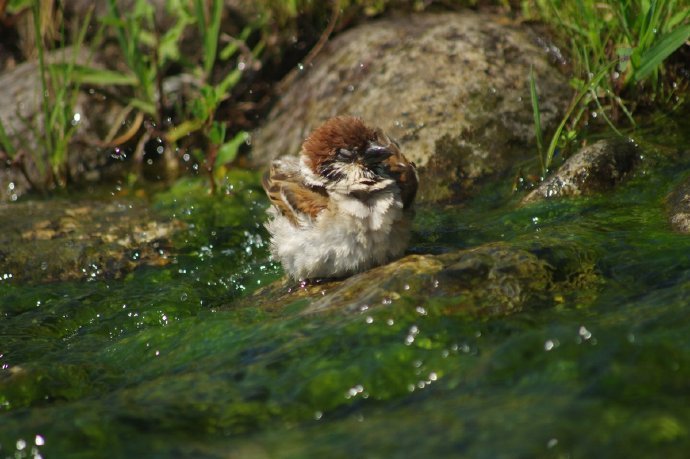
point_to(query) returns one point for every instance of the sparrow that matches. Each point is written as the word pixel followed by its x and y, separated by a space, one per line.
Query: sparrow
pixel 344 205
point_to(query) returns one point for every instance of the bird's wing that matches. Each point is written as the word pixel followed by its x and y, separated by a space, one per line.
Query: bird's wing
pixel 287 191
pixel 404 172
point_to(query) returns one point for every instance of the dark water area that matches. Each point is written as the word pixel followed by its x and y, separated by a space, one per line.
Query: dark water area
pixel 180 361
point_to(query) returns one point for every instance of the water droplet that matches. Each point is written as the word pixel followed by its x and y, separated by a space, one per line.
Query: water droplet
pixel 584 333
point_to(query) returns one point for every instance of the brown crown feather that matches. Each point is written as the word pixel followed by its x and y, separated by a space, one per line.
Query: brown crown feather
pixel 339 132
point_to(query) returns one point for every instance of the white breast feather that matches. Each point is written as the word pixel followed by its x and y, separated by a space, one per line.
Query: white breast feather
pixel 348 237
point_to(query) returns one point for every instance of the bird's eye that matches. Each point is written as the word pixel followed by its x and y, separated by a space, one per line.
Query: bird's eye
pixel 344 155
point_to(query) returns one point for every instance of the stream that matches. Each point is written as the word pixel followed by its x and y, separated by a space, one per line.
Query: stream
pixel 192 354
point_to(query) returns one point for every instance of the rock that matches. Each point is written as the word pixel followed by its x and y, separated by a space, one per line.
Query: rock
pixel 44 241
pixel 678 204
pixel 13 184
pixel 595 168
pixel 486 280
pixel 452 88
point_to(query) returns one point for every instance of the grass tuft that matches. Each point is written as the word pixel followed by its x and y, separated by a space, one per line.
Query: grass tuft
pixel 619 52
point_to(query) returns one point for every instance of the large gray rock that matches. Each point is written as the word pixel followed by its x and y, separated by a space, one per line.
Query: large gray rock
pixel 452 88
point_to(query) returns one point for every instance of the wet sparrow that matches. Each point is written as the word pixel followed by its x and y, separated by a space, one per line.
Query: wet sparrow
pixel 344 205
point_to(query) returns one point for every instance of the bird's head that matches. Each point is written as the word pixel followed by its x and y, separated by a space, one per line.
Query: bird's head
pixel 348 155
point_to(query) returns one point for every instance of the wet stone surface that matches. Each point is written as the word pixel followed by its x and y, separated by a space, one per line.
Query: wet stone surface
pixel 595 168
pixel 492 279
pixel 678 203
pixel 44 241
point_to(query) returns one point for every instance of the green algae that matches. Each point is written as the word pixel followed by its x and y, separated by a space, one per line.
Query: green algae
pixel 191 360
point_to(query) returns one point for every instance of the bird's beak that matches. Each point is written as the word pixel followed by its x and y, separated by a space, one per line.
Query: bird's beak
pixel 376 153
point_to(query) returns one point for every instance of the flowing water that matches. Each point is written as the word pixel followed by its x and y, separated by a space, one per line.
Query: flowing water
pixel 179 361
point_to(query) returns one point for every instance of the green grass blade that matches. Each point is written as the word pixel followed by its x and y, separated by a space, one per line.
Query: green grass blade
pixel 45 103
pixel 537 118
pixel 228 151
pixel 677 18
pixel 574 104
pixel 232 47
pixel 100 77
pixel 211 39
pixel 145 106
pixel 602 111
pixel 183 129
pixel 654 56
pixel 119 25
pixel 200 17
pixel 5 141
pixel 228 83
